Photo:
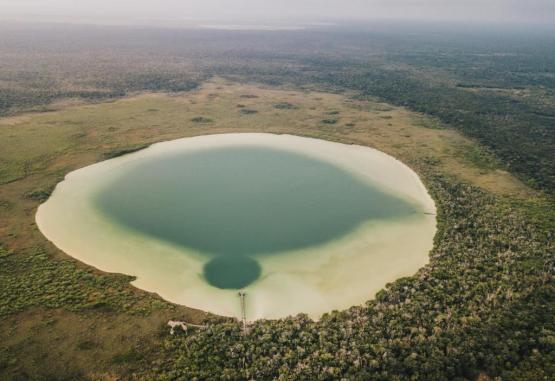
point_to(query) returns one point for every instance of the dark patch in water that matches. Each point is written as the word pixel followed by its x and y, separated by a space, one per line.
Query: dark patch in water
pixel 231 272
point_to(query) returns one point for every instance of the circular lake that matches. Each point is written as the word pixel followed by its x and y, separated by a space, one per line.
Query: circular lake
pixel 301 225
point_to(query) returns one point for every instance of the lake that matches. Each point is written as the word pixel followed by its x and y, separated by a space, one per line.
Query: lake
pixel 302 225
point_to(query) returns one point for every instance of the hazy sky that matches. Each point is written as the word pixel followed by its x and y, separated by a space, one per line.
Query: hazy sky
pixel 286 11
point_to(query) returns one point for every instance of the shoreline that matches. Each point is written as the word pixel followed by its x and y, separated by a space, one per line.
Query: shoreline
pixel 67 233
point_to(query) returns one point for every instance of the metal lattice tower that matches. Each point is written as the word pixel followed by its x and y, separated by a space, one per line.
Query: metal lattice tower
pixel 242 295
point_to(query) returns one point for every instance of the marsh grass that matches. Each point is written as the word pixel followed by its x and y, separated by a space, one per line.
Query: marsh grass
pixel 124 151
pixel 248 111
pixel 285 106
pixel 201 119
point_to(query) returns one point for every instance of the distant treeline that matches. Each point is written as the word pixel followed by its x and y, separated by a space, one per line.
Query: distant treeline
pixel 495 86
pixel 25 98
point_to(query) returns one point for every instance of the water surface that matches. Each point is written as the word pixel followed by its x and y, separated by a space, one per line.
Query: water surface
pixel 303 225
pixel 235 202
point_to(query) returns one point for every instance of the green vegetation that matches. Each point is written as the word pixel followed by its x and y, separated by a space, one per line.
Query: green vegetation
pixel 40 195
pixel 518 131
pixel 496 86
pixel 248 111
pixel 484 303
pixel 483 306
pixel 123 151
pixel 61 283
pixel 285 106
pixel 201 119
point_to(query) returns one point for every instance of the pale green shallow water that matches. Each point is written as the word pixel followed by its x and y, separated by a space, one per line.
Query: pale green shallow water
pixel 234 204
pixel 304 225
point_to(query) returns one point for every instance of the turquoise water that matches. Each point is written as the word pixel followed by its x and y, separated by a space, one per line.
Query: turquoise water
pixel 237 204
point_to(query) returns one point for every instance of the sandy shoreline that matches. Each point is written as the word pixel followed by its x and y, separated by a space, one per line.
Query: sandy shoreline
pixel 336 275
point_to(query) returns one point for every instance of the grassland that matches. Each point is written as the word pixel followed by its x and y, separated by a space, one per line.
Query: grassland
pixel 60 319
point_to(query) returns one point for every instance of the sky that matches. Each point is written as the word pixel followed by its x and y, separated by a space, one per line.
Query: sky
pixel 282 11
